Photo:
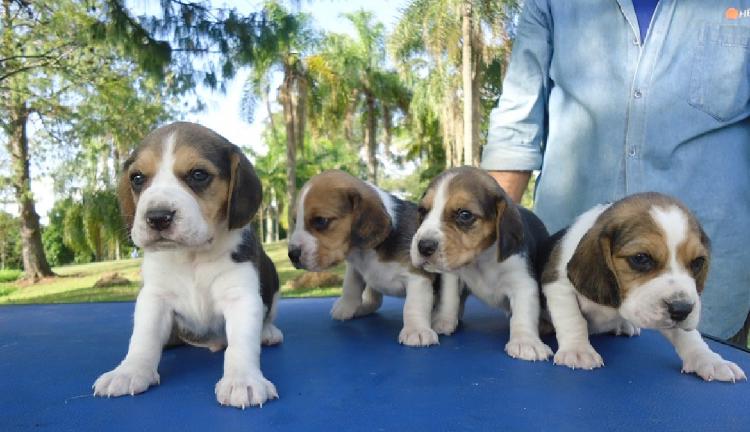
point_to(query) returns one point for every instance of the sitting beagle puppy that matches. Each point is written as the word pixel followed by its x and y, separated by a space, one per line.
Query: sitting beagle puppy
pixel 638 263
pixel 187 195
pixel 471 228
pixel 339 217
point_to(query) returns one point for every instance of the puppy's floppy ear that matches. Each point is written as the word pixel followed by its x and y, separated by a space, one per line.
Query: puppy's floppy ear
pixel 125 198
pixel 245 190
pixel 591 269
pixel 700 278
pixel 370 221
pixel 509 229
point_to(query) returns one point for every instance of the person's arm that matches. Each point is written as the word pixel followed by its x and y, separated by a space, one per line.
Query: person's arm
pixel 518 125
pixel 513 182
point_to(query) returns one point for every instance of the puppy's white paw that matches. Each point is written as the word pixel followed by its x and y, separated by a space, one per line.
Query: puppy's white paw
pixel 417 336
pixel 710 366
pixel 125 380
pixel 271 335
pixel 444 325
pixel 582 356
pixel 242 391
pixel 626 328
pixel 527 348
pixel 343 310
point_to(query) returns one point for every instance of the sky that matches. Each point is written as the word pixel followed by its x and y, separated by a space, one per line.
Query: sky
pixel 222 112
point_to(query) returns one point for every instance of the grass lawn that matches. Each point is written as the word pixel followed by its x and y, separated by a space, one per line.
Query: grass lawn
pixel 75 283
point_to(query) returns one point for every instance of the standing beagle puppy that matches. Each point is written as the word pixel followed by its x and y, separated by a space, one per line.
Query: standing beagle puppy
pixel 638 263
pixel 187 195
pixel 471 228
pixel 339 217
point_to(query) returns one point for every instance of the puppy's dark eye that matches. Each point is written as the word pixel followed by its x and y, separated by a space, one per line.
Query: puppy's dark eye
pixel 696 265
pixel 465 217
pixel 422 212
pixel 319 223
pixel 641 262
pixel 137 180
pixel 199 175
pixel 198 179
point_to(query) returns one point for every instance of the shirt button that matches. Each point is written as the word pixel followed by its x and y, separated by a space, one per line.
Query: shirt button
pixel 637 94
pixel 636 41
pixel 631 152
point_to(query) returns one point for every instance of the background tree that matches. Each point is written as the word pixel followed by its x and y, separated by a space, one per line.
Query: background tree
pixel 454 52
pixel 356 82
pixel 282 46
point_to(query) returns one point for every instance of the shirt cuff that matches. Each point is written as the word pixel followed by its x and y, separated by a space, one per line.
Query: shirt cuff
pixel 495 158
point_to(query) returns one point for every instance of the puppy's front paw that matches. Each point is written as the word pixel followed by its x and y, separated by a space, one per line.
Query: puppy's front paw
pixel 271 335
pixel 527 348
pixel 125 379
pixel 343 310
pixel 417 336
pixel 710 366
pixel 579 357
pixel 245 390
pixel 626 328
pixel 444 325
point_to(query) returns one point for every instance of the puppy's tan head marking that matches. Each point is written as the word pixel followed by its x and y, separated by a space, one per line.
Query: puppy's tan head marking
pixel 464 211
pixel 644 243
pixel 338 212
pixel 195 175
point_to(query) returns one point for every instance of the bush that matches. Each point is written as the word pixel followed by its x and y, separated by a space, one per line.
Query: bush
pixel 9 275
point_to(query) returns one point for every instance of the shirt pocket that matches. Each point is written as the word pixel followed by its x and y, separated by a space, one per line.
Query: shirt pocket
pixel 720 78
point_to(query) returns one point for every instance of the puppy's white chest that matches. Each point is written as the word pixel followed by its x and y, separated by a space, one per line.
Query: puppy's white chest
pixel 389 278
pixel 187 287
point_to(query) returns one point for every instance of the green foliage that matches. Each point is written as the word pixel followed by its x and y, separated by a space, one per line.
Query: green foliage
pixel 58 253
pixel 10 241
pixel 10 275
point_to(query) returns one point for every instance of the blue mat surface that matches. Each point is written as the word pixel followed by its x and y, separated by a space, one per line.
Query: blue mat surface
pixel 354 376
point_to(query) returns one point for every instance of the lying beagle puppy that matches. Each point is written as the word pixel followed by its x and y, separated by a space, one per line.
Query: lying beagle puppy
pixel 187 195
pixel 339 217
pixel 471 228
pixel 638 263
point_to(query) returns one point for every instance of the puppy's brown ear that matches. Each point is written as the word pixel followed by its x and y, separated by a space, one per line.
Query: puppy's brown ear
pixel 700 277
pixel 245 191
pixel 126 200
pixel 509 229
pixel 591 269
pixel 370 221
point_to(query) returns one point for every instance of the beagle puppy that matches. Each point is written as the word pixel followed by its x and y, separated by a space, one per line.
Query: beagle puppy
pixel 471 228
pixel 187 195
pixel 339 217
pixel 638 263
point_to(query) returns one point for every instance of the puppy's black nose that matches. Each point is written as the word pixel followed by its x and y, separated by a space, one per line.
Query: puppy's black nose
pixel 427 247
pixel 159 219
pixel 679 310
pixel 295 252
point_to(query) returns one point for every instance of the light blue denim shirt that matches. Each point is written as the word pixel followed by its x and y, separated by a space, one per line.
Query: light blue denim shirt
pixel 604 115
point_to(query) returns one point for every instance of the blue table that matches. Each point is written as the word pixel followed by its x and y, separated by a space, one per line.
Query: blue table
pixel 352 376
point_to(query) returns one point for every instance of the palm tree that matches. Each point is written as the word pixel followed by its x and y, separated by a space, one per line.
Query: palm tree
pixel 282 47
pixel 352 81
pixel 457 49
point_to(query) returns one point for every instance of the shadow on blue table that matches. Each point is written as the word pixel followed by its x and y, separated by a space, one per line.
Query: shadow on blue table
pixel 355 376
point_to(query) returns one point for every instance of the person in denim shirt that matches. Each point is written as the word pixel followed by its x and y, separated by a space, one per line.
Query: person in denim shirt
pixel 605 109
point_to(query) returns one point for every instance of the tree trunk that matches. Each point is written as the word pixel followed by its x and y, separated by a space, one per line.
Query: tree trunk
pixel 466 72
pixel 300 113
pixel 387 131
pixel 458 130
pixel 371 143
pixel 35 263
pixel 287 87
